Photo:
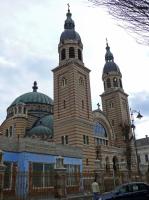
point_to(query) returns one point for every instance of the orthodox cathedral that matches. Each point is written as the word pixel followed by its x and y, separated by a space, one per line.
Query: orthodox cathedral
pixel 37 129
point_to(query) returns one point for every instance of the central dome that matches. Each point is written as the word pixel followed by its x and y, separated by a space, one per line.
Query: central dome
pixel 33 98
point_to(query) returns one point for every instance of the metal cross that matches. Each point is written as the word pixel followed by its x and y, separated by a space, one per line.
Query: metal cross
pixel 98 106
pixel 68 7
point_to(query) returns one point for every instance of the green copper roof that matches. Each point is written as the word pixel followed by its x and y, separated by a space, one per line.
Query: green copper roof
pixel 40 131
pixel 46 121
pixel 33 98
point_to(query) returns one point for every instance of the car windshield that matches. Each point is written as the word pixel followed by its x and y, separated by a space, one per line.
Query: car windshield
pixel 122 189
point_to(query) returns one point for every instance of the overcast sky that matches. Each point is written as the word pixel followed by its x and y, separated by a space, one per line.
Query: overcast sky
pixel 29 37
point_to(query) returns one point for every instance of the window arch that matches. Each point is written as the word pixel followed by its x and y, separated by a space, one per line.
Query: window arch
pixel 115 82
pixel 108 83
pixel 79 54
pixel 64 81
pixel 99 130
pixel 63 54
pixel 71 52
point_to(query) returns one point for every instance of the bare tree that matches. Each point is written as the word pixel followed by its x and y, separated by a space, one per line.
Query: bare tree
pixel 132 14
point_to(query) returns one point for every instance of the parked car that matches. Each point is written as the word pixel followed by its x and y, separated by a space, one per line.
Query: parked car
pixel 129 191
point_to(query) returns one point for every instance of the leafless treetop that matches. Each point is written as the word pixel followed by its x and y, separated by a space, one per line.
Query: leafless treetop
pixel 132 14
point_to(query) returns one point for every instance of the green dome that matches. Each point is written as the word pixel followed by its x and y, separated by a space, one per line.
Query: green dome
pixel 33 98
pixel 40 131
pixel 46 121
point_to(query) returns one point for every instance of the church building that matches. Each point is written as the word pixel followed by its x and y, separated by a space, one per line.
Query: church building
pixel 38 129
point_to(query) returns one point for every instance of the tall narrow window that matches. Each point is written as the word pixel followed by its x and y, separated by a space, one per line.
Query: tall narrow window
pixel 64 104
pixel 108 83
pixel 81 81
pixel 104 85
pixel 79 54
pixel 71 52
pixel 24 110
pixel 62 139
pixel 15 110
pixel 85 139
pixel 63 54
pixel 10 131
pixel 146 157
pixel 115 82
pixel 66 139
pixel 64 82
pixel 82 104
pixel 20 109
pixel 120 81
pixel 7 133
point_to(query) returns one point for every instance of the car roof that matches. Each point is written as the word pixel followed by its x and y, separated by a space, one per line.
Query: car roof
pixel 131 183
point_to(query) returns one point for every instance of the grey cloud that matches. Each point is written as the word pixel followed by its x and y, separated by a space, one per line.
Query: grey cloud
pixel 140 102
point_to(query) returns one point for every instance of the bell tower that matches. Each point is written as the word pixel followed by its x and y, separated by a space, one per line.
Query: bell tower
pixel 114 99
pixel 72 97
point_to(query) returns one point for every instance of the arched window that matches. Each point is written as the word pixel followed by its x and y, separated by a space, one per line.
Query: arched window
pixel 108 83
pixel 115 82
pixel 99 130
pixel 79 54
pixel 81 81
pixel 120 81
pixel 71 52
pixel 111 104
pixel 64 81
pixel 63 54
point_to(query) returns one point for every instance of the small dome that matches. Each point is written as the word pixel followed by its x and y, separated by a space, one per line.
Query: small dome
pixel 111 67
pixel 33 98
pixel 40 131
pixel 46 121
pixel 70 34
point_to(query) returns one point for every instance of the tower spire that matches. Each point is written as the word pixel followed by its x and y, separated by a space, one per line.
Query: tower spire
pixel 69 23
pixel 68 7
pixel 108 55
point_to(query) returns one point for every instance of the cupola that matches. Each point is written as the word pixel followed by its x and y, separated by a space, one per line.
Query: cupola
pixel 70 45
pixel 111 73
